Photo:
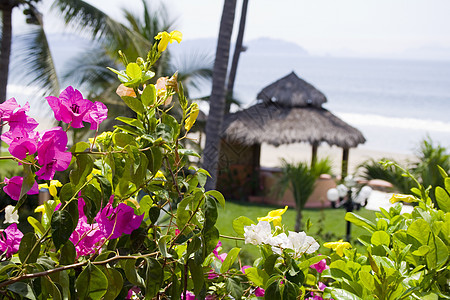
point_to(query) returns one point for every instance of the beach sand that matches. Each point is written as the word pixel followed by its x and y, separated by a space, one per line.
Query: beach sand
pixel 271 156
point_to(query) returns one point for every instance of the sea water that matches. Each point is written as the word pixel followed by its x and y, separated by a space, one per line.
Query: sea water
pixel 394 103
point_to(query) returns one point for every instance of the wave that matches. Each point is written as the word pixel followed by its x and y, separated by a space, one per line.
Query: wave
pixel 392 122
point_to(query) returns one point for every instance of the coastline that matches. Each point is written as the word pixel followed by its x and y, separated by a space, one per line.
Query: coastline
pixel 271 156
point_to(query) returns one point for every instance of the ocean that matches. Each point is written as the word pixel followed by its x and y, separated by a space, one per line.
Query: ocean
pixel 394 103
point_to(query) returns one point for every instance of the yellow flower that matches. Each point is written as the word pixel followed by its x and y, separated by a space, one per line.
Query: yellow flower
pixel 274 216
pixel 40 208
pixel 94 172
pixel 166 38
pixel 52 188
pixel 338 246
pixel 192 117
pixel 402 197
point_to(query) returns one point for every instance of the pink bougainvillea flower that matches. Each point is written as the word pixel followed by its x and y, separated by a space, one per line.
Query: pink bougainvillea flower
pixel 244 268
pixel 22 142
pixel 320 266
pixel 321 286
pixel 212 274
pixel 51 153
pixel 7 107
pixel 70 107
pixel 19 119
pixel 86 237
pixel 189 296
pixel 97 114
pixel 133 293
pixel 10 240
pixel 117 221
pixel 259 292
pixel 14 185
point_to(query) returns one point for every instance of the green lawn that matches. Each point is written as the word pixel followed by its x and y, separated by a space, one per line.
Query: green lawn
pixel 327 224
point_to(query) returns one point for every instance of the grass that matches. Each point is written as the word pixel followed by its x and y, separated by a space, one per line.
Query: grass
pixel 327 225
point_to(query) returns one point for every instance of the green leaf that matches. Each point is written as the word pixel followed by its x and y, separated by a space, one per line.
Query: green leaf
pixel 210 209
pixel 380 238
pixel 26 246
pixel 343 294
pixel 197 276
pixel 28 180
pixel 22 289
pixel 131 121
pixel 422 251
pixel 360 221
pixel 272 288
pixel 257 276
pixel 339 270
pixel 80 147
pixel 239 223
pixel 121 139
pixel 290 291
pixel 153 212
pixel 38 228
pixel 447 184
pixel 173 123
pixel 149 95
pixel 234 287
pixel 68 254
pixel 91 283
pixel 154 278
pixel 420 230
pixel 210 239
pixel 115 282
pixel 188 152
pixel 131 273
pixel 134 71
pixel 61 225
pixel 134 104
pixel 84 167
pixel 66 193
pixel 162 245
pixel 165 132
pixel 442 199
pixel 218 196
pixel 367 280
pixel 229 260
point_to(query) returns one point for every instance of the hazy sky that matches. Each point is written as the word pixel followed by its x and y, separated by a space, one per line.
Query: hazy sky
pixel 369 27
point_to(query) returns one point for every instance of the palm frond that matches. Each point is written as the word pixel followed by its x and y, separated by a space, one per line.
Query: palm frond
pixel 34 61
pixel 89 71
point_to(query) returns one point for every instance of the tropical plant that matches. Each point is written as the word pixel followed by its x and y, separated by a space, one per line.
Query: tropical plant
pixel 425 169
pixel 218 94
pixel 89 71
pixel 407 254
pixel 301 179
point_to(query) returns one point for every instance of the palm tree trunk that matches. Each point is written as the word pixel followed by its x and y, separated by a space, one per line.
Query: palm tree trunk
pixel 237 51
pixel 217 99
pixel 5 50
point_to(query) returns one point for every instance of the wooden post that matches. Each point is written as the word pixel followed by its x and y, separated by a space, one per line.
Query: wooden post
pixel 314 154
pixel 345 153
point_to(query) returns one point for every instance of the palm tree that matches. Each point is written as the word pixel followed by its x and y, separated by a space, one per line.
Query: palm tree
pixel 89 69
pixel 237 52
pixel 301 179
pixel 217 99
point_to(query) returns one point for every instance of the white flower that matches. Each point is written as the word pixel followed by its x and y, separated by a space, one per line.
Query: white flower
pixel 257 234
pixel 11 217
pixel 280 242
pixel 303 243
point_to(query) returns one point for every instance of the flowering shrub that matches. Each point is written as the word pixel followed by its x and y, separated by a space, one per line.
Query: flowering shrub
pixel 133 220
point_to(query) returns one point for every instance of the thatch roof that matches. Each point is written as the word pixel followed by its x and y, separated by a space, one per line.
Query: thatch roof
pixel 292 91
pixel 275 125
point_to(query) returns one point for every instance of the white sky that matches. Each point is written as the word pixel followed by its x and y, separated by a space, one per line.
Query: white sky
pixel 371 27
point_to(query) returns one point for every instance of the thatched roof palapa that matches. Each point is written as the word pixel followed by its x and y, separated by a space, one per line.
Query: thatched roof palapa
pixel 275 125
pixel 290 112
pixel 292 91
